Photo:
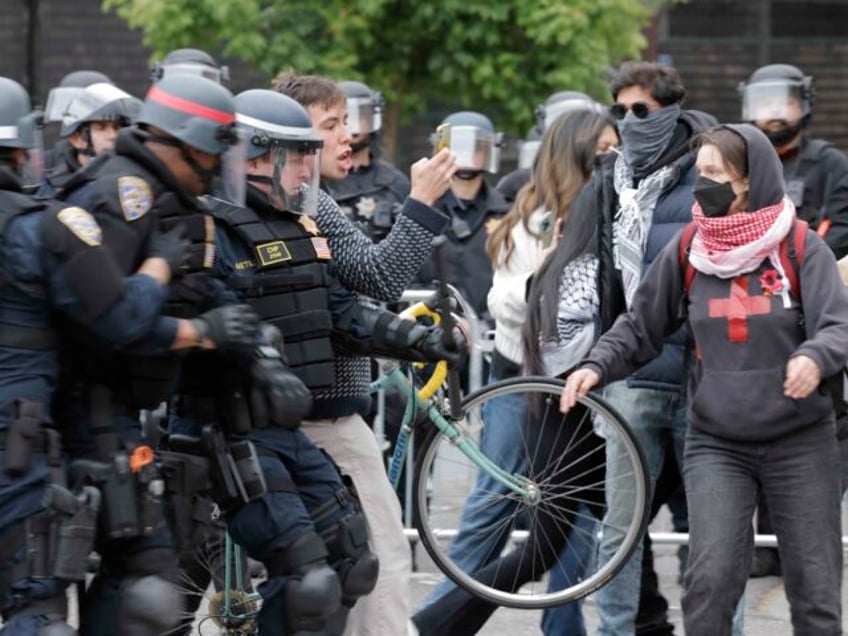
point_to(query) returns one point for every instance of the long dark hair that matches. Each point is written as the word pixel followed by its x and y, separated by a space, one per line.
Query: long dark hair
pixel 578 238
pixel 563 166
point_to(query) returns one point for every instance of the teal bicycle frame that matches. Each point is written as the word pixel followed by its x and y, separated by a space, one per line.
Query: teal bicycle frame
pixel 468 447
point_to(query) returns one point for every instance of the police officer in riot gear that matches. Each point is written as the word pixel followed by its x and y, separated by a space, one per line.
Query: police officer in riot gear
pixel 58 99
pixel 778 99
pixel 372 193
pixel 473 206
pixel 274 255
pixel 190 62
pixel 557 104
pixel 151 183
pixel 90 125
pixel 52 261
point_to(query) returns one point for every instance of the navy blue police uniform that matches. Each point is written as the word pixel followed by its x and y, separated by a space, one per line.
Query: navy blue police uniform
pixel 51 262
pixel 102 391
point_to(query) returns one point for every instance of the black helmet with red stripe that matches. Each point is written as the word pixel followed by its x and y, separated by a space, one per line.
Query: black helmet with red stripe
pixel 197 111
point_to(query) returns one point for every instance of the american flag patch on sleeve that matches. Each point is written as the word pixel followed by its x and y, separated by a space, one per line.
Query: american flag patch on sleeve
pixel 322 249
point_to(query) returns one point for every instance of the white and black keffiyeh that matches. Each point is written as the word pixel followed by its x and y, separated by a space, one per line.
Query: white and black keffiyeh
pixel 576 311
pixel 633 219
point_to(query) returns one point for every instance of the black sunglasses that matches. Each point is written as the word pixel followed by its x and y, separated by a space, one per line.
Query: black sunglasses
pixel 640 110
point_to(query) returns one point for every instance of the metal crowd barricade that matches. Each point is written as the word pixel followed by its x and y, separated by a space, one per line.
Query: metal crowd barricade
pixel 480 346
pixel 658 538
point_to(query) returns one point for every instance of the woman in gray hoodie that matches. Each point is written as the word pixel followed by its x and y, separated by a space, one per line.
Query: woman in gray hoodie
pixel 759 416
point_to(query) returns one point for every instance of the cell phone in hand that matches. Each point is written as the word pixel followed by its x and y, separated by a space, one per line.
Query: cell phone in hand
pixel 442 138
pixel 546 229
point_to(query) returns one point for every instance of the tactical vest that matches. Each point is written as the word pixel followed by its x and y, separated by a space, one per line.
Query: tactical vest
pixel 144 381
pixel 289 287
pixel 13 205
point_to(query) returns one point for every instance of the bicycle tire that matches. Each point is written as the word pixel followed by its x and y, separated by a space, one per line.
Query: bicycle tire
pixel 549 389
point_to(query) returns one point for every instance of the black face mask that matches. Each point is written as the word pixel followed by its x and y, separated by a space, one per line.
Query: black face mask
pixel 713 197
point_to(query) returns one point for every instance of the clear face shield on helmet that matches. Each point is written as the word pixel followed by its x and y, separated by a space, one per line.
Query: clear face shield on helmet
pixel 58 100
pixel 293 176
pixel 364 115
pixel 475 149
pixel 774 100
pixel 527 152
pixel 232 174
pixel 100 102
pixel 27 138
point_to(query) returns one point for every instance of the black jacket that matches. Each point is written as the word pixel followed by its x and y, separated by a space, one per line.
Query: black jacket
pixel 816 177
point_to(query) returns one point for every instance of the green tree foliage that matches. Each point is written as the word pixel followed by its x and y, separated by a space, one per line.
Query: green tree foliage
pixel 498 56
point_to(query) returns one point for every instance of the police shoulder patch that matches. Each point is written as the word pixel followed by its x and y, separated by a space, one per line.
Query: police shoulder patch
pixel 135 196
pixel 82 224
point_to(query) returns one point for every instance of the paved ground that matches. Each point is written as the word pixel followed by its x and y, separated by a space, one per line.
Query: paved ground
pixel 766 610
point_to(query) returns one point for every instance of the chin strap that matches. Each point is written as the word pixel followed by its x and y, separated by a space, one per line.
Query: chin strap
pixel 89 147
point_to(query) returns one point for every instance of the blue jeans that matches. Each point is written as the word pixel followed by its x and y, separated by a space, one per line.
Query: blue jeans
pixel 799 475
pixel 575 562
pixel 652 415
pixel 482 533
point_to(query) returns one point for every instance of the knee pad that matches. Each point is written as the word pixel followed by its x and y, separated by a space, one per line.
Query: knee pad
pixel 312 591
pixel 150 605
pixel 357 566
pixel 312 598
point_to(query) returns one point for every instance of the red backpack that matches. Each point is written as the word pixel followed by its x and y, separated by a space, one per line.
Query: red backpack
pixel 791 255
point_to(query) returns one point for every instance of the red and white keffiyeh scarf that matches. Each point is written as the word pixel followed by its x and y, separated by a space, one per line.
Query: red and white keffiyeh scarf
pixel 729 246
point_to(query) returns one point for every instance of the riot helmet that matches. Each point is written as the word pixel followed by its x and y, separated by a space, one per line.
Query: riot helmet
pixel 364 108
pixel 278 131
pixel 778 93
pixel 196 112
pixel 190 62
pixel 20 129
pixel 474 142
pixel 69 87
pixel 98 103
pixel 563 102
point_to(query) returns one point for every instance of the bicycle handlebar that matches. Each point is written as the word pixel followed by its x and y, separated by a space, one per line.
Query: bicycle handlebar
pixel 441 371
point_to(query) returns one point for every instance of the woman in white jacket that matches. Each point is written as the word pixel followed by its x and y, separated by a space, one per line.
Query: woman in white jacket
pixel 518 246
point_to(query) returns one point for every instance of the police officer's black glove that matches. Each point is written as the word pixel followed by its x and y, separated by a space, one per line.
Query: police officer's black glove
pixel 276 394
pixel 172 246
pixel 434 349
pixel 229 327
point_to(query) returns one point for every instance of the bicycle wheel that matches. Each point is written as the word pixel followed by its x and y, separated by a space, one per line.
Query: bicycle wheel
pixel 536 548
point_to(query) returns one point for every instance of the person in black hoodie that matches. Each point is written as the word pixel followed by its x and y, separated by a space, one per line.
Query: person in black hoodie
pixel 759 419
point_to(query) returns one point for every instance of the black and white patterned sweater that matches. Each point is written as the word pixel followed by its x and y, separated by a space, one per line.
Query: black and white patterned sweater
pixel 381 271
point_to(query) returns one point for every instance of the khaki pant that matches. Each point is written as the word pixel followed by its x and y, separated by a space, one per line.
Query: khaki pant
pixel 352 445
